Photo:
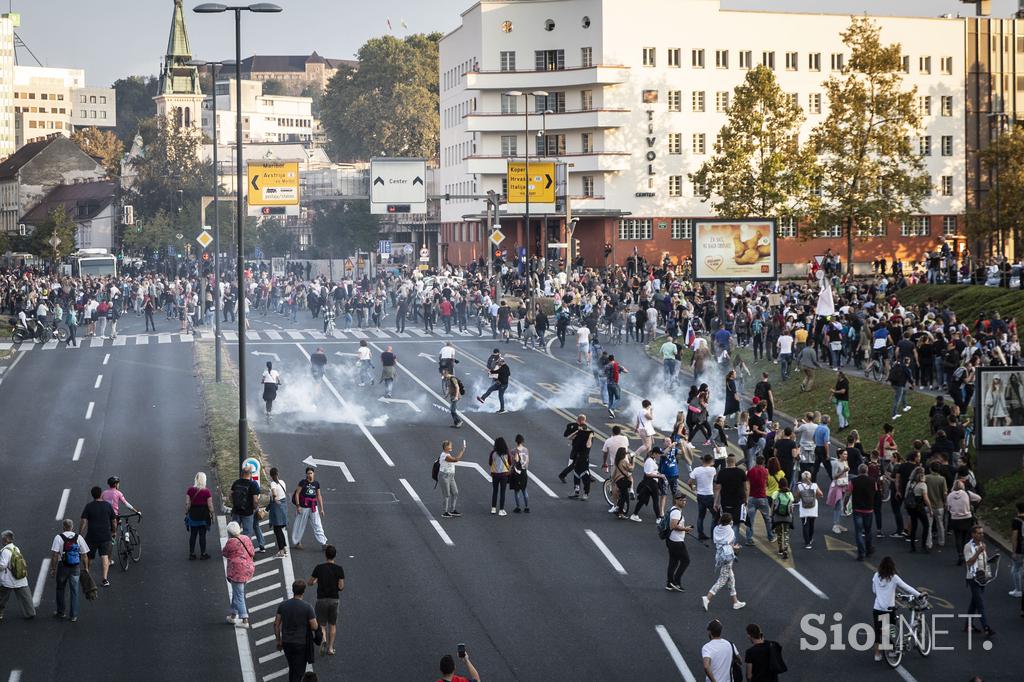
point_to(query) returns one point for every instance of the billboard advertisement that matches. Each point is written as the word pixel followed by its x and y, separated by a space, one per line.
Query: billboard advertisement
pixel 729 250
pixel 1000 407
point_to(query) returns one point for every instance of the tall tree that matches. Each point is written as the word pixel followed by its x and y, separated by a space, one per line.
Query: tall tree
pixel 388 107
pixel 58 223
pixel 759 167
pixel 103 145
pixel 273 86
pixel 134 103
pixel 273 237
pixel 1002 208
pixel 344 228
pixel 870 172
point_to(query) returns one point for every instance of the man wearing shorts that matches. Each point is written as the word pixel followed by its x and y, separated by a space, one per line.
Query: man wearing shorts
pixel 329 579
pixel 97 527
pixel 583 345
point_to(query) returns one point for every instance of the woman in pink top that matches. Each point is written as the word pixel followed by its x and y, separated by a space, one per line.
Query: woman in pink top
pixel 238 552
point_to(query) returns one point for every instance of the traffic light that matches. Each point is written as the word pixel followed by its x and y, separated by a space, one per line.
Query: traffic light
pixel 576 248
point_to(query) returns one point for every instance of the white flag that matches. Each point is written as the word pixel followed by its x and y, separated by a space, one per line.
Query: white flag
pixel 826 304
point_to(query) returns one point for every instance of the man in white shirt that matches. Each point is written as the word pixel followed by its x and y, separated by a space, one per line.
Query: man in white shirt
pixel 446 358
pixel 785 346
pixel 717 654
pixel 612 445
pixel 364 363
pixel 583 344
pixel 976 560
pixel 702 480
pixel 66 567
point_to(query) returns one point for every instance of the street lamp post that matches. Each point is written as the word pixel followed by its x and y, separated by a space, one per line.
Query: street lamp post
pixel 216 8
pixel 526 173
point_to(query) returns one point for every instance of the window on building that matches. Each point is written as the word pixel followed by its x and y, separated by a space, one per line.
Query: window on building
pixel 551 145
pixel 925 145
pixel 103 114
pixel 792 61
pixel 722 101
pixel 746 59
pixel 504 186
pixel 814 61
pixel 586 100
pixel 833 232
pixel 699 143
pixel 509 145
pixel 947 145
pixel 814 102
pixel 947 185
pixel 925 105
pixel 948 225
pixel 508 60
pixel 787 227
pixel 650 97
pixel 82 99
pixel 587 143
pixel 924 65
pixel 946 104
pixel 586 57
pixel 698 100
pixel 682 228
pixel 588 185
pixel 918 227
pixel 697 58
pixel 946 65
pixel 794 99
pixel 722 59
pixel 838 60
pixel 675 143
pixel 675 100
pixel 675 185
pixel 60 98
pixel 92 114
pixel 553 101
pixel 92 99
pixel 905 63
pixel 871 227
pixel 700 189
pixel 549 60
pixel 768 59
pixel 675 57
pixel 650 55
pixel 635 228
pixel 103 99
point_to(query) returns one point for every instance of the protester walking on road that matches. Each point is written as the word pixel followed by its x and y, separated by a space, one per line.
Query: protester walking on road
pixel 808 492
pixel 900 378
pixel 388 363
pixel 863 490
pixel 293 623
pixel 649 488
pixel 245 500
pixel 519 477
pixel 717 654
pixel 67 552
pixel 271 381
pixel 763 658
pixel 724 537
pixel 757 499
pixel 278 508
pixel 309 509
pixel 14 577
pixel 916 502
pixel 1017 550
pixel 884 585
pixel 446 477
pixel 453 392
pixel 239 553
pixel 329 579
pixel 580 438
pixel 978 574
pixel 838 489
pixel 806 361
pixel 702 481
pixel 499 382
pixel 98 525
pixel 961 516
pixel 678 556
pixel 782 517
pixel 198 515
pixel 500 463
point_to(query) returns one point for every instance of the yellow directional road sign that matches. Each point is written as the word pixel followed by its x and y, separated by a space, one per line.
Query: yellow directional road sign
pixel 204 239
pixel 274 184
pixel 542 182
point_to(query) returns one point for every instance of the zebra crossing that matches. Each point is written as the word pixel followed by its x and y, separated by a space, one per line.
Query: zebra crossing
pixel 307 335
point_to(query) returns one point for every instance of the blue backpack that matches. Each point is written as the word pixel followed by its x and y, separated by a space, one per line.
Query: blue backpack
pixel 70 552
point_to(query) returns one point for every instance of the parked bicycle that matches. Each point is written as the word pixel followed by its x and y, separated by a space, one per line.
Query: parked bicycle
pixel 906 634
pixel 128 543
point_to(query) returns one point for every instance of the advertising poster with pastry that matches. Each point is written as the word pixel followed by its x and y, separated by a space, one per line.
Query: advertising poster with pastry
pixel 734 249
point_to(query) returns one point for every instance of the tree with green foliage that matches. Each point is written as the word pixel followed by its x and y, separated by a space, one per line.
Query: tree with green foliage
pixel 272 86
pixel 272 237
pixel 152 233
pixel 134 103
pixel 344 228
pixel 388 107
pixel 60 223
pixel 759 167
pixel 1001 212
pixel 869 171
pixel 103 145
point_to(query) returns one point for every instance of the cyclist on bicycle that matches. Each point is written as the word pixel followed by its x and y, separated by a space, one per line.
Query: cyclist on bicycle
pixel 884 585
pixel 115 497
pixel 446 358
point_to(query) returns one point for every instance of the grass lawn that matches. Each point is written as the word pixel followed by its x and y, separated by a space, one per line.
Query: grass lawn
pixel 967 300
pixel 220 402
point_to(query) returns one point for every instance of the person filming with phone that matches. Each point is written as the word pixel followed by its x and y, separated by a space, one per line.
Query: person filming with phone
pixel 448 668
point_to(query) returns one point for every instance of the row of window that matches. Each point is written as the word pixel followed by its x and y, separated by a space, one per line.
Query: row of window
pixel 82 113
pixel 453 76
pixel 463 188
pixel 292 122
pixel 675 186
pixel 698 101
pixel 49 125
pixel 39 110
pixel 56 96
pixel 674 58
pixel 637 229
pixel 453 115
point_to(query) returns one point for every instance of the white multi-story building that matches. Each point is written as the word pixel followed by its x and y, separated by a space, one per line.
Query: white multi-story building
pixel 638 92
pixel 265 118
pixel 8 22
pixel 49 100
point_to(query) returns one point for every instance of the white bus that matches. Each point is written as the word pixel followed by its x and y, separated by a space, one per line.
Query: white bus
pixel 93 263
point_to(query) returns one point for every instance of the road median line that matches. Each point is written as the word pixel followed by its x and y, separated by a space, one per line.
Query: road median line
pixel 674 653
pixel 603 548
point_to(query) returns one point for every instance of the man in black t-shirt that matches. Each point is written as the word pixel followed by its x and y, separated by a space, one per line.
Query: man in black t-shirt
pixel 763 392
pixel 580 439
pixel 784 448
pixel 329 579
pixel 730 489
pixel 294 617
pixel 97 527
pixel 759 657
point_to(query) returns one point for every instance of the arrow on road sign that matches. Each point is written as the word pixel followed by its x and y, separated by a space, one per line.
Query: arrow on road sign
pixel 254 185
pixel 269 355
pixel 378 180
pixel 417 179
pixel 550 180
pixel 399 400
pixel 314 462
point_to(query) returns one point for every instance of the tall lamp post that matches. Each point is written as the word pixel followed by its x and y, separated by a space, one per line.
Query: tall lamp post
pixel 526 173
pixel 216 8
pixel 216 211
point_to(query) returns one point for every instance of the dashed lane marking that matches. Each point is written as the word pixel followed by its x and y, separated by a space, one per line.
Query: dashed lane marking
pixel 78 450
pixel 806 583
pixel 674 654
pixel 603 548
pixel 37 593
pixel 99 380
pixel 62 507
pixel 426 512
pixel 106 358
pixel 88 410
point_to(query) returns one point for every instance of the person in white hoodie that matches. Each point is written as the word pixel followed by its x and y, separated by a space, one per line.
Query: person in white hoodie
pixel 725 554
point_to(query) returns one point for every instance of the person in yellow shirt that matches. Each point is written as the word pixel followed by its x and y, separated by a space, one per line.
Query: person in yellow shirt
pixel 800 336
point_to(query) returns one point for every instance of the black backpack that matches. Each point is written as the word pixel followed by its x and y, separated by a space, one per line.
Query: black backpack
pixel 241 498
pixel 435 470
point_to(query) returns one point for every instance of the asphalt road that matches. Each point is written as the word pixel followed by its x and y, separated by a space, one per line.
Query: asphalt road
pixel 567 591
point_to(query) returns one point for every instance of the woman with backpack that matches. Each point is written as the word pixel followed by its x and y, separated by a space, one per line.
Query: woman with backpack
pixel 198 515
pixel 915 501
pixel 500 462
pixel 808 493
pixel 519 477
pixel 238 552
pixel 725 554
pixel 782 516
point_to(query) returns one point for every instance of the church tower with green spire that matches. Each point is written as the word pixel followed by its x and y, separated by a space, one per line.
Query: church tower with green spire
pixel 181 97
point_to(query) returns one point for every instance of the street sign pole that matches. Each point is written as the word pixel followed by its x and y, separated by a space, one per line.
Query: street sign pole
pixel 243 422
pixel 526 150
pixel 216 230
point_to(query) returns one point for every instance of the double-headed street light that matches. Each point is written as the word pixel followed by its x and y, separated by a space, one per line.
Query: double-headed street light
pixel 216 8
pixel 526 153
pixel 216 209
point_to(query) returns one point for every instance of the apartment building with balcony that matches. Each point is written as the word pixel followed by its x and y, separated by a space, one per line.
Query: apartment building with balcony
pixel 635 94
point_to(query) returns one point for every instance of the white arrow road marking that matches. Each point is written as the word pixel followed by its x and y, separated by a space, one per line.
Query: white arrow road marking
pixel 313 461
pixel 269 355
pixel 399 400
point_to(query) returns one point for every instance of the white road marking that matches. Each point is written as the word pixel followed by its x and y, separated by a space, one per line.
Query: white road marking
pixel 99 380
pixel 902 672
pixel 265 575
pixel 273 676
pixel 359 422
pixel 271 334
pixel 409 489
pixel 264 561
pixel 318 335
pixel 440 531
pixel 141 340
pixel 262 590
pixel 619 568
pixel 264 640
pixel 358 334
pixel 250 334
pixel 63 504
pixel 229 336
pixel 433 522
pixel 807 583
pixel 50 345
pixel 163 338
pixel 267 605
pixel 673 652
pixel 241 636
pixel 417 331
pixel 259 624
pixel 271 656
pixel 186 338
pixel 96 342
pixel 295 335
pixel 37 593
pixel 15 676
pixel 88 410
pixel 17 359
pixel 78 450
pixel 346 473
pixel 379 333
pixel 121 341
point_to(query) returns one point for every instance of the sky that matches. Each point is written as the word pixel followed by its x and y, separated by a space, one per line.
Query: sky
pixel 115 38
